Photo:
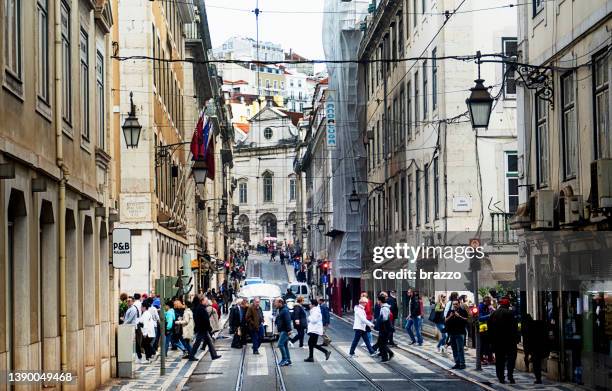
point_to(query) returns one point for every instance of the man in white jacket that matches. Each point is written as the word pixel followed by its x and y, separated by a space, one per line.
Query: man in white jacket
pixel 359 325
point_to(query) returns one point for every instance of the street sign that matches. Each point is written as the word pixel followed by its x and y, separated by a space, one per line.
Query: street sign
pixel 122 248
pixel 324 279
pixel 330 116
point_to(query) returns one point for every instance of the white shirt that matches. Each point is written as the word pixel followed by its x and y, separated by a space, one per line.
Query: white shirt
pixel 447 308
pixel 360 322
pixel 315 321
pixel 148 325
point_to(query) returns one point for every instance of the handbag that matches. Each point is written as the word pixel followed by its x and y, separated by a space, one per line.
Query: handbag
pixel 326 340
pixel 432 315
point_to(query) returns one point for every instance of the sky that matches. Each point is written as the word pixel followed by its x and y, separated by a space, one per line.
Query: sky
pixel 300 29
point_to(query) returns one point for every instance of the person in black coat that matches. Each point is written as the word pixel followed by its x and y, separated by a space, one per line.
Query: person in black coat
pixel 283 325
pixel 300 321
pixel 202 329
pixel 503 331
pixel 392 301
pixel 535 344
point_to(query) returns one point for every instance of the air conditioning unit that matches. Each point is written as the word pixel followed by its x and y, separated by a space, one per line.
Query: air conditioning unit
pixel 573 210
pixel 541 209
pixel 601 183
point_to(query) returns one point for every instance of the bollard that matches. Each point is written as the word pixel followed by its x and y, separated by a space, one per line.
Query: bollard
pixel 125 350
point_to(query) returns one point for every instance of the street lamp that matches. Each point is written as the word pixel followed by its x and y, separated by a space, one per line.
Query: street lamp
pixel 480 101
pixel 354 201
pixel 480 104
pixel 131 128
pixel 321 225
pixel 199 170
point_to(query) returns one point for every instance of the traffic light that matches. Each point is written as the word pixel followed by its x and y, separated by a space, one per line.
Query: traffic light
pixel 474 311
pixel 227 264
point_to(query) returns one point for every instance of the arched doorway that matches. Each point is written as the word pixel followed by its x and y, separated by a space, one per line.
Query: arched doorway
pixel 267 222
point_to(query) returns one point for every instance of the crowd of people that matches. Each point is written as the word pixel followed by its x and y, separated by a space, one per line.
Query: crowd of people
pixel 186 325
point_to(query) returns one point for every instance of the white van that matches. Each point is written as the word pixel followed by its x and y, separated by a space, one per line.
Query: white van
pixel 266 293
pixel 300 289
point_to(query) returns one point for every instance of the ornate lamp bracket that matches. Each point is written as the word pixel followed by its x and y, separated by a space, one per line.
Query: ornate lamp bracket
pixel 538 79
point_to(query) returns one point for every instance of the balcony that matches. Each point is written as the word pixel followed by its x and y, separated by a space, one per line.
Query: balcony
pixel 192 31
pixel 500 229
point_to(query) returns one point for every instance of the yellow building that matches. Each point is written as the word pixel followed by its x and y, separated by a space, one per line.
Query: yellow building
pixel 56 167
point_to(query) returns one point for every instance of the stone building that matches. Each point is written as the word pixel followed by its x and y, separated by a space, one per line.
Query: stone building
pixel 57 170
pixel 564 168
pixel 431 176
pixel 266 189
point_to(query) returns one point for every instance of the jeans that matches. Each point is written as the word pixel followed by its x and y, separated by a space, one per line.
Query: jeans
pixel 457 341
pixel 442 340
pixel 299 336
pixel 256 341
pixel 175 340
pixel 283 346
pixel 360 334
pixel 417 323
pixel 203 337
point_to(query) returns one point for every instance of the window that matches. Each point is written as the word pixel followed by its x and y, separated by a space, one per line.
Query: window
pixel 275 84
pixel 512 188
pixel 242 192
pixel 267 187
pixel 402 211
pixel 542 140
pixel 100 99
pixel 416 99
pixel 268 133
pixel 509 47
pixel 400 34
pixel 601 107
pixel 396 211
pixel 568 125
pixel 409 111
pixel 267 84
pixel 66 65
pixel 378 142
pixel 395 123
pixel 300 83
pixel 409 202
pixel 426 190
pixel 424 6
pixel 436 184
pixel 538 5
pixel 425 89
pixel 292 189
pixel 42 76
pixel 12 37
pixel 402 114
pixel 418 198
pixel 414 12
pixel 84 85
pixel 434 79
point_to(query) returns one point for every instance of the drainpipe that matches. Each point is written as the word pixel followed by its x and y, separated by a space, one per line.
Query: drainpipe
pixel 62 190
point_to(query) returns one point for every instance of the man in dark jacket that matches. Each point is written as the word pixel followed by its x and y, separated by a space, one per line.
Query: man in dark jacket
pixel 326 318
pixel 255 320
pixel 300 321
pixel 283 325
pixel 415 318
pixel 456 321
pixel 503 330
pixel 202 329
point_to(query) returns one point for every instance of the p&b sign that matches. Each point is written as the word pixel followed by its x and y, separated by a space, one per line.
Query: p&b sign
pixel 122 248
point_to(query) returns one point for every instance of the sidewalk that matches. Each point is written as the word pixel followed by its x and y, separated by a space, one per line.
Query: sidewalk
pixel 485 378
pixel 147 377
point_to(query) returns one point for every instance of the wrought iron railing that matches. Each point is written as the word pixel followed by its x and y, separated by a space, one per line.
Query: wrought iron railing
pixel 500 229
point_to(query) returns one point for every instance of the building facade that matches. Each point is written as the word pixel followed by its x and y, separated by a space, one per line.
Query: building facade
pixel 243 48
pixel 564 152
pixel 431 176
pixel 298 92
pixel 57 191
pixel 266 185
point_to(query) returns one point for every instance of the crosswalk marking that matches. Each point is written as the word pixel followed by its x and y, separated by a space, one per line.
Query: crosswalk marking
pixel 366 362
pixel 258 364
pixel 333 367
pixel 413 366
